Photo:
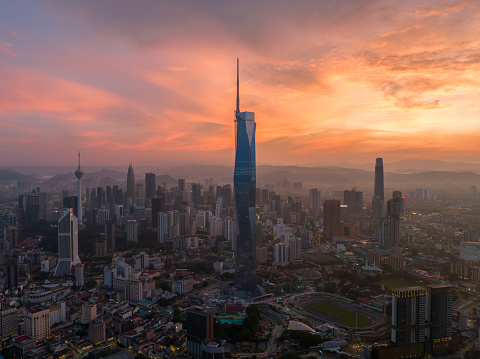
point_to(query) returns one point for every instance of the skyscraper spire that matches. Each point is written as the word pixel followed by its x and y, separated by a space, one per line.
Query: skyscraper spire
pixel 78 159
pixel 238 91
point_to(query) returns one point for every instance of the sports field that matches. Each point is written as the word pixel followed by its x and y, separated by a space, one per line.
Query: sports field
pixel 345 316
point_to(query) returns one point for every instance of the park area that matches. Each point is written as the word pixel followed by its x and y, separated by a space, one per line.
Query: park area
pixel 344 316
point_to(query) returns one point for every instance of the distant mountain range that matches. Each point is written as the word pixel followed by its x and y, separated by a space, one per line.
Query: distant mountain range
pixel 419 173
pixel 6 175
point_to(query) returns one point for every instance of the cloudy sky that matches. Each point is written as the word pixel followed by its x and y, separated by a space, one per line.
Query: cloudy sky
pixel 153 82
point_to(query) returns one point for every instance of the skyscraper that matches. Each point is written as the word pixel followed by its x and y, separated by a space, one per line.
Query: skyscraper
pixel 244 180
pixel 67 243
pixel 354 200
pixel 79 175
pixel 130 182
pixel 200 325
pixel 409 315
pixel 150 186
pixel 378 192
pixel 422 314
pixel 331 218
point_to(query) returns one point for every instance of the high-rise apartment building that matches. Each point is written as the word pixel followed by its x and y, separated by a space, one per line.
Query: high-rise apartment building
pixel 200 325
pixel 96 331
pixel 244 180
pixel 409 315
pixel 439 312
pixel 422 314
pixel 67 243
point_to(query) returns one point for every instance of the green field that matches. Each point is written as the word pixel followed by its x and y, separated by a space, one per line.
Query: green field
pixel 393 283
pixel 345 316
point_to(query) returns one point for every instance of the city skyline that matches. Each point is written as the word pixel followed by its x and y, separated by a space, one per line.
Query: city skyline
pixel 152 83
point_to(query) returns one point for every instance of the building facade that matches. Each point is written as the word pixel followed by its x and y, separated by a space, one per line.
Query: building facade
pixel 244 180
pixel 67 243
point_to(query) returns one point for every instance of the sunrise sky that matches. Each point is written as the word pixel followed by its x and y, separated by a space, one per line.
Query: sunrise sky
pixel 153 82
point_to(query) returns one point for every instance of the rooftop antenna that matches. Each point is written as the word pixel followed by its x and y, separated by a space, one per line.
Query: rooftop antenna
pixel 238 89
pixel 78 159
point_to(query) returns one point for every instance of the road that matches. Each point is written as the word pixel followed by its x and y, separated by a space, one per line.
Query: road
pixel 276 331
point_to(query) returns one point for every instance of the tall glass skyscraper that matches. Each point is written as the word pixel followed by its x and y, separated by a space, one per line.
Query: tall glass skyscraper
pixel 378 192
pixel 244 186
pixel 67 243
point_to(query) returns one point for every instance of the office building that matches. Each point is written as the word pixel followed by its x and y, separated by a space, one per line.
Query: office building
pixel 67 243
pixel 79 275
pixel 200 325
pixel 439 313
pixel 331 219
pixel 130 182
pixel 244 180
pixel 37 321
pixel 353 200
pixel 79 174
pixel 110 236
pixel 71 202
pixel 150 186
pixel 141 261
pixel 378 192
pixel 11 280
pixel 8 318
pixel 181 186
pixel 313 199
pixel 398 194
pixel 158 205
pixel 213 349
pixel 89 312
pixel 394 207
pixel 28 209
pixel 383 233
pixel 10 235
pixel 132 231
pixel 133 291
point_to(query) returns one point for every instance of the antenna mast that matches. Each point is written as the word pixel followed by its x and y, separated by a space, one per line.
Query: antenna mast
pixel 238 89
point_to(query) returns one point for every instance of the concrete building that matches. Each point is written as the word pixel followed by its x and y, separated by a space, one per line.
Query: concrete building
pixel 79 275
pixel 89 312
pixel 200 325
pixel 132 231
pixel 96 331
pixel 37 322
pixel 8 319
